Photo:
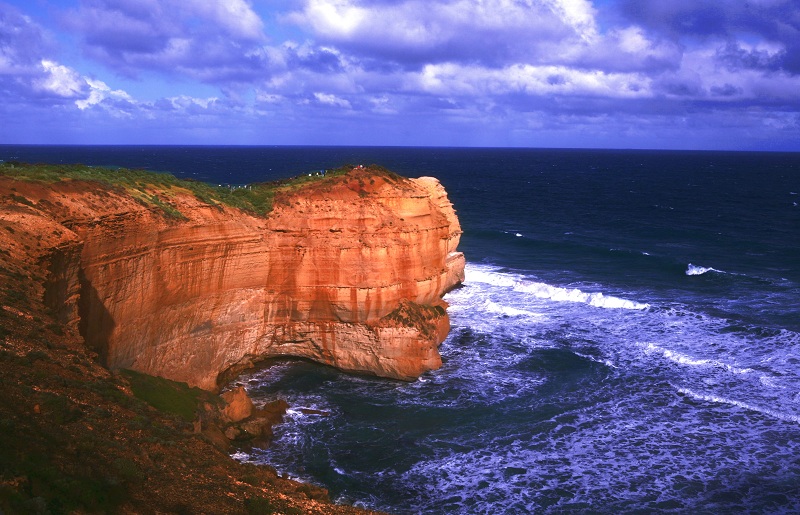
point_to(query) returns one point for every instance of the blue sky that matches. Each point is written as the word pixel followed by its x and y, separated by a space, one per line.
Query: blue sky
pixel 690 74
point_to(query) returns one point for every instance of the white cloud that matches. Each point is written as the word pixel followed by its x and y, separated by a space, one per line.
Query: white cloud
pixel 268 98
pixel 382 105
pixel 417 30
pixel 332 100
pixel 195 38
pixel 60 80
pixel 185 101
pixel 579 14
pixel 453 79
pixel 99 91
pixel 337 18
pixel 236 16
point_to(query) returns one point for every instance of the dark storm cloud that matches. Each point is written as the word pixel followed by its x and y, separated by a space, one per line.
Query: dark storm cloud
pixel 737 57
pixel 771 21
pixel 315 59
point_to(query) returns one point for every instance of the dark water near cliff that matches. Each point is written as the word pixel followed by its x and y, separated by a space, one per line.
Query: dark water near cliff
pixel 627 340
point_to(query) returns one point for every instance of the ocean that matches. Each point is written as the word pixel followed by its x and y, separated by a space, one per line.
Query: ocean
pixel 627 339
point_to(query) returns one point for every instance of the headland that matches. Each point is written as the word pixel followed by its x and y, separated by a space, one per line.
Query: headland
pixel 115 280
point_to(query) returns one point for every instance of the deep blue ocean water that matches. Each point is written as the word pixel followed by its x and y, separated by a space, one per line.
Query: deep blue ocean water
pixel 627 338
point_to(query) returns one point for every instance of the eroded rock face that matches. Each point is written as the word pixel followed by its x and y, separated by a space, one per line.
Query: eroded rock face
pixel 349 272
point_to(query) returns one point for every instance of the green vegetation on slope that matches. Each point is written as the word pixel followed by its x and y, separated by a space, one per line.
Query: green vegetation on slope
pixel 165 395
pixel 151 187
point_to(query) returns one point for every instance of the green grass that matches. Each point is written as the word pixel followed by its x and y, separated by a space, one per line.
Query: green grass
pixel 167 396
pixel 154 188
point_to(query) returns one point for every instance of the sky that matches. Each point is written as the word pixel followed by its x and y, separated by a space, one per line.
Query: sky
pixel 676 74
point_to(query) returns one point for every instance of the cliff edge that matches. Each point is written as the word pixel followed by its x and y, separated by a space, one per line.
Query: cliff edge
pixel 346 270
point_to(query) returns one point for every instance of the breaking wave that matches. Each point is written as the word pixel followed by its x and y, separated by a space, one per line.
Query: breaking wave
pixel 700 270
pixel 787 417
pixel 477 273
pixel 684 359
pixel 493 307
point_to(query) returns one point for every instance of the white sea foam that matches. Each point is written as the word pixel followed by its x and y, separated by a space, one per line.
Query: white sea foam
pixel 602 361
pixel 473 274
pixel 684 359
pixel 547 291
pixel 700 270
pixel 770 382
pixel 733 402
pixel 240 456
pixel 493 307
pixel 598 300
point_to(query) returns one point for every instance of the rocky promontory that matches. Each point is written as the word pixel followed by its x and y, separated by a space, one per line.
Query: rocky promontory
pixel 107 270
pixel 347 270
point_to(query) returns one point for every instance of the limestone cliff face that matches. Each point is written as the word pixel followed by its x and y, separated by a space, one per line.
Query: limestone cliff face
pixel 347 271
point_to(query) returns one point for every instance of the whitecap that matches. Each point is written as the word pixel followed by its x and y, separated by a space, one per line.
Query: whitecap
pixel 788 417
pixel 540 290
pixel 684 359
pixel 493 307
pixel 602 361
pixel 770 382
pixel 700 270
pixel 598 300
pixel 493 278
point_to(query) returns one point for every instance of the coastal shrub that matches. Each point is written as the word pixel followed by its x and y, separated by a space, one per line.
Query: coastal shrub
pixel 60 409
pixel 259 506
pixel 128 470
pixel 15 297
pixel 167 396
pixel 110 392
pixel 85 492
pixel 56 328
pixel 37 355
pixel 168 209
pixel 21 200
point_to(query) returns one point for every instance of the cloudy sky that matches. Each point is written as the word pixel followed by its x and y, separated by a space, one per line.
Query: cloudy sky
pixel 706 74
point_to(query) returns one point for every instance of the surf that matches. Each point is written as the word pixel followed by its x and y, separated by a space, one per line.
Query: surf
pixel 489 275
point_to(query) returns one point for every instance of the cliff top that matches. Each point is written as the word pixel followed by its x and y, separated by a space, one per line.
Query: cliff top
pixel 158 189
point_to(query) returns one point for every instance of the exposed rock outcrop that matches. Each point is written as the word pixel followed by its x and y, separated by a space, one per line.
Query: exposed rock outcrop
pixel 347 271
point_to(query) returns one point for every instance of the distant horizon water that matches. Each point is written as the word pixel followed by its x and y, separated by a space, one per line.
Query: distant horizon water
pixel 627 338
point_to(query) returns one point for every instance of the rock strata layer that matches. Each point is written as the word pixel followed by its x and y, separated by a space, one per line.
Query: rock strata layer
pixel 346 271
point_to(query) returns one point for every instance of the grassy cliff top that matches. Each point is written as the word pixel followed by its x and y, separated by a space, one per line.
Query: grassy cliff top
pixel 254 198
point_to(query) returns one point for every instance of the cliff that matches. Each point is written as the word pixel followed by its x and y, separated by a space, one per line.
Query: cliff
pixel 347 270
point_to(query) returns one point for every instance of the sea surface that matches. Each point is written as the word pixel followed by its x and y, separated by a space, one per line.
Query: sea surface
pixel 627 338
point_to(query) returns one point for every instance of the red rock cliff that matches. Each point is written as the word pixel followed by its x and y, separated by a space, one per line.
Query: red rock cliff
pixel 347 271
